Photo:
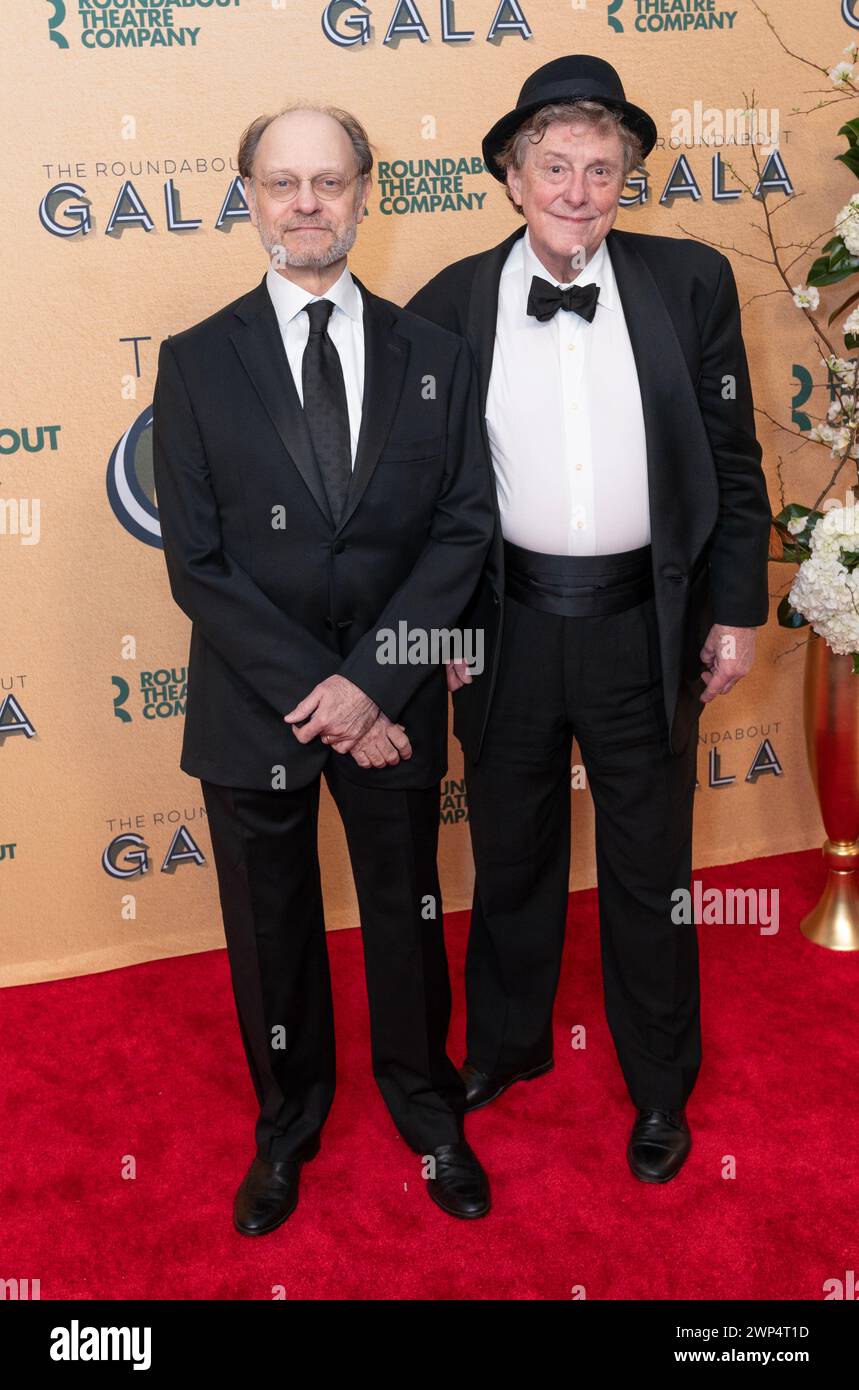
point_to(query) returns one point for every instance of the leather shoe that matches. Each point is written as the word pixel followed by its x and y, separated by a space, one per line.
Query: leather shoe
pixel 480 1089
pixel 658 1145
pixel 460 1186
pixel 268 1195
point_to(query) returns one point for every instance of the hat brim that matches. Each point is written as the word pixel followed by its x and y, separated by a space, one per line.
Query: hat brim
pixel 633 117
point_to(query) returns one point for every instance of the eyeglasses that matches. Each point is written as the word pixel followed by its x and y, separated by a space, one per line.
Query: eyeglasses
pixel 283 187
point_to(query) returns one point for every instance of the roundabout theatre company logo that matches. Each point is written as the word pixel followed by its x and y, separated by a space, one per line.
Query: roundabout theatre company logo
pixel 669 16
pixel 120 24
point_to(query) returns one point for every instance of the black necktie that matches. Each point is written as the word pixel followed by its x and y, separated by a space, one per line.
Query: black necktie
pixel 545 299
pixel 325 407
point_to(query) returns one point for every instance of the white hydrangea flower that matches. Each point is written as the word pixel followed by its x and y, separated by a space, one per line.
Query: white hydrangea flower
pixel 851 323
pixel 824 591
pixel 849 230
pixel 796 524
pixel 806 297
pixel 835 527
pixel 840 73
pixel 825 595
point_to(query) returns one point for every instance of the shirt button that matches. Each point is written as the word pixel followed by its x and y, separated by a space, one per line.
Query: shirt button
pixel 573 407
pixel 578 468
pixel 571 347
pixel 579 525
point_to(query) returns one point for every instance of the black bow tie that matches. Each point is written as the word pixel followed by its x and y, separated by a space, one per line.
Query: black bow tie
pixel 545 299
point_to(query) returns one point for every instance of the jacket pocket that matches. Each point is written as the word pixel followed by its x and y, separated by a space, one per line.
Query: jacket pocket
pixel 411 450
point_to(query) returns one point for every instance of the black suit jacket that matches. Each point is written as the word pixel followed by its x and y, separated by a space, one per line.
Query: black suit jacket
pixel 709 509
pixel 281 598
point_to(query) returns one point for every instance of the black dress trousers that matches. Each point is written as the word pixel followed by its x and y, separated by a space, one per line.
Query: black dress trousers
pixel 265 849
pixel 598 677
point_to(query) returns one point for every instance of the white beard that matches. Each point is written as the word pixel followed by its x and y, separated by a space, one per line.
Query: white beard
pixel 281 256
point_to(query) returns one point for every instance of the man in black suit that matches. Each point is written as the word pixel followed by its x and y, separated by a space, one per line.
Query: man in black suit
pixel 321 479
pixel 630 546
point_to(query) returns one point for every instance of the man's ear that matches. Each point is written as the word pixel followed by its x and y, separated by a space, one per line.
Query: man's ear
pixel 514 184
pixel 365 196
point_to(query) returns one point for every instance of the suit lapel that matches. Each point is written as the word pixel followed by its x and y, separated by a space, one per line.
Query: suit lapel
pixel 483 311
pixel 683 492
pixel 480 326
pixel 386 353
pixel 680 516
pixel 258 343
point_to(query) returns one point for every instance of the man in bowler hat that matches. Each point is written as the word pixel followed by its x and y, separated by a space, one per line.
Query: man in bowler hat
pixel 622 589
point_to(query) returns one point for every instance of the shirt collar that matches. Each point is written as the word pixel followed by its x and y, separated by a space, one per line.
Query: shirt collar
pixel 598 271
pixel 289 299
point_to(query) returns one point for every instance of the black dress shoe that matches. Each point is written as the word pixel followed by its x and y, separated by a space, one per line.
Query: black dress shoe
pixel 658 1145
pixel 268 1195
pixel 460 1186
pixel 480 1089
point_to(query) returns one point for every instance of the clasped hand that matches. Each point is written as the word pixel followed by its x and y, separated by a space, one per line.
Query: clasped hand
pixel 347 720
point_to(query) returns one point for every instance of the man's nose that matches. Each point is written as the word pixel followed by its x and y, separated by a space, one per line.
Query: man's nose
pixel 306 200
pixel 576 191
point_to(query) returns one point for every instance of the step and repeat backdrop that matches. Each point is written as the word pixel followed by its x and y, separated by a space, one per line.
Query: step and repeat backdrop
pixel 123 220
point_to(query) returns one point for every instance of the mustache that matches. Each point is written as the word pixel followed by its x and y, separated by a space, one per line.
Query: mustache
pixel 297 226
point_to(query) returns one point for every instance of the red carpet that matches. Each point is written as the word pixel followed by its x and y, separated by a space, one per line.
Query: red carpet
pixel 147 1062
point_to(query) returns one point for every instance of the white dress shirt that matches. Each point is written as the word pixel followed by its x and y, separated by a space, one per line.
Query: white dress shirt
pixel 345 329
pixel 564 418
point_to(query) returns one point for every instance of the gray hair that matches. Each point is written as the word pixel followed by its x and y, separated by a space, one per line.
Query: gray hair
pixel 582 112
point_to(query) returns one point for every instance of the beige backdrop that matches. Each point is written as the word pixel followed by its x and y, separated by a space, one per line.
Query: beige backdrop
pixel 87 609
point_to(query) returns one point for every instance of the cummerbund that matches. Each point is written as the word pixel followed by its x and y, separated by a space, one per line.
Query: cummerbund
pixel 578 586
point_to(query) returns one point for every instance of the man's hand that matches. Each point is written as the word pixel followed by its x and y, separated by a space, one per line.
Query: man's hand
pixel 341 714
pixel 458 675
pixel 384 745
pixel 730 653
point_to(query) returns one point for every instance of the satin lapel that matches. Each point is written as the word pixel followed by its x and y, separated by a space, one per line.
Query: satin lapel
pixel 386 353
pixel 681 513
pixel 258 343
pixel 483 311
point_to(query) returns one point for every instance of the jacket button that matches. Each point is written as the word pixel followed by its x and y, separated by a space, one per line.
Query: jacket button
pixel 338 547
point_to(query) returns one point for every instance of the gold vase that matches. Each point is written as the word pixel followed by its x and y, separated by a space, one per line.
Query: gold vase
pixel 831 717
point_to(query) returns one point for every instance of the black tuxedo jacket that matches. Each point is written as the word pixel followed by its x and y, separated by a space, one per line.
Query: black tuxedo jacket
pixel 709 509
pixel 279 596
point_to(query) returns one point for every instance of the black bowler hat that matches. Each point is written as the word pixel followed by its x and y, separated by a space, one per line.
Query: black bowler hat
pixel 574 78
